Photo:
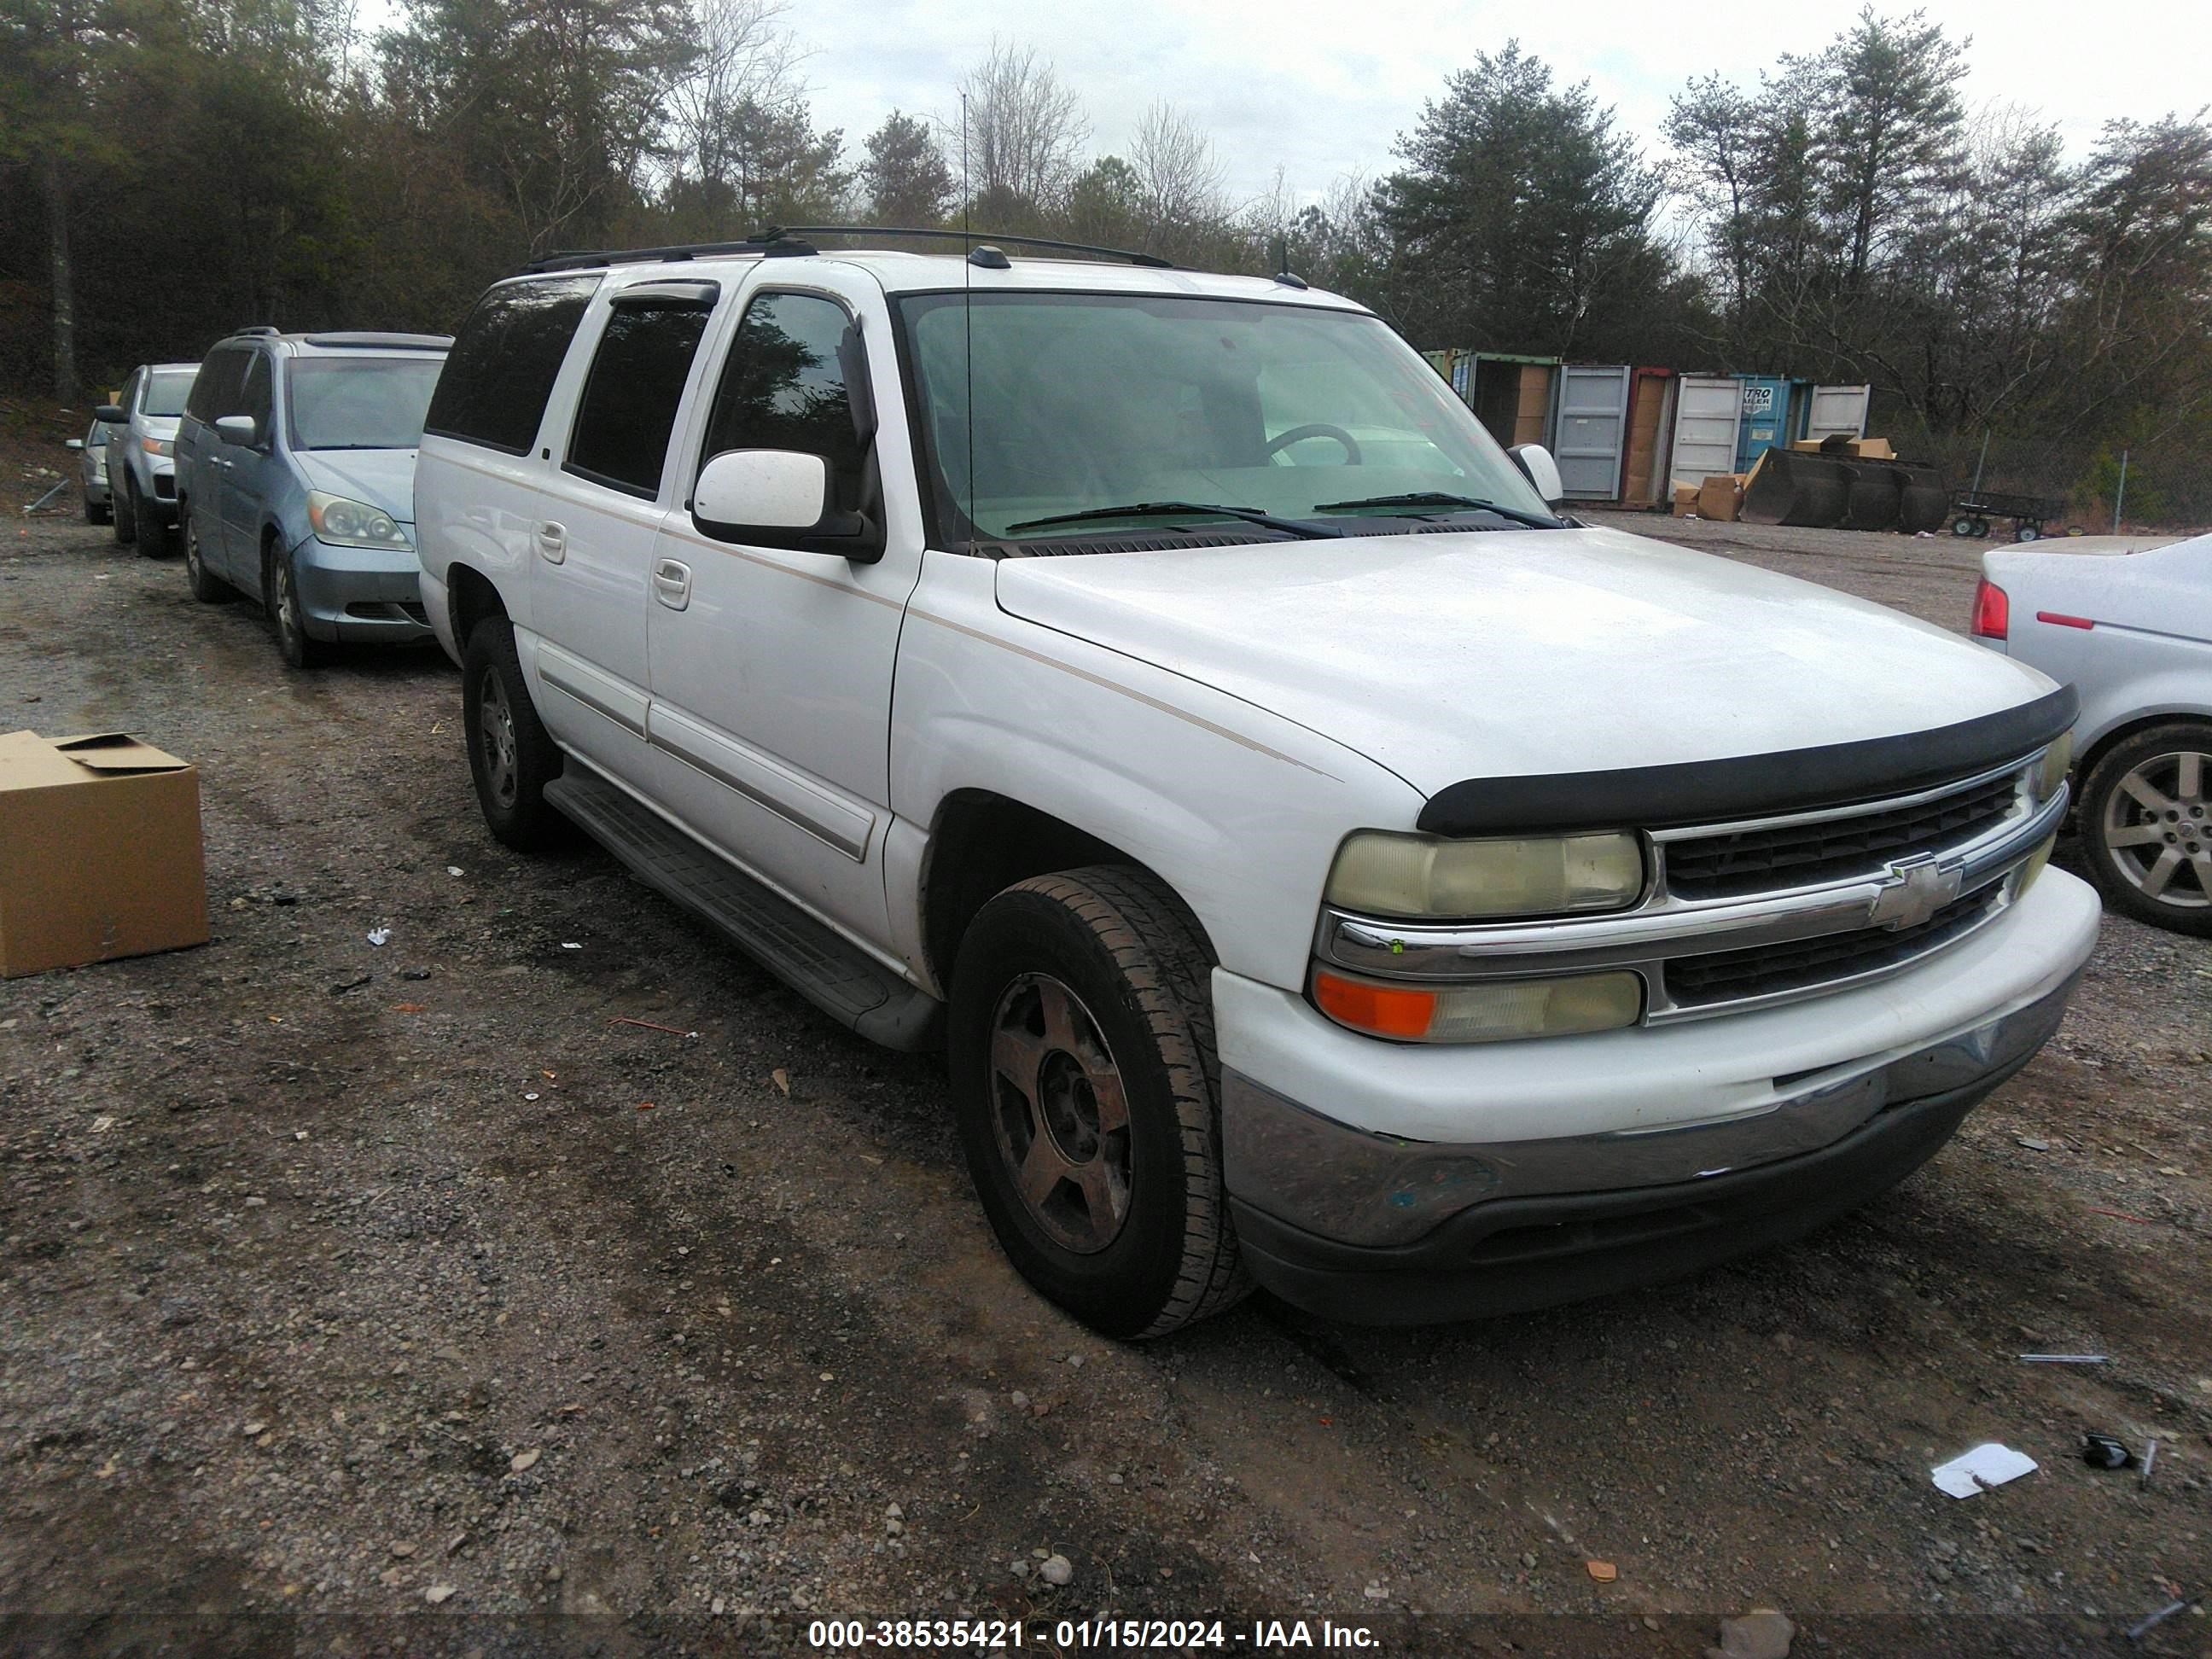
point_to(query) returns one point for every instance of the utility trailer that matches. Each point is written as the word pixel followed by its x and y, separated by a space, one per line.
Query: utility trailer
pixel 1972 512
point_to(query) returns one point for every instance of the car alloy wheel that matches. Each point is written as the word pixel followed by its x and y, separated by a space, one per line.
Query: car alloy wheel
pixel 495 732
pixel 2158 828
pixel 1060 1113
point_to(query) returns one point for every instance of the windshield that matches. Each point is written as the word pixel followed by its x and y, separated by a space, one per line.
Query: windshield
pixel 360 402
pixel 1086 402
pixel 166 391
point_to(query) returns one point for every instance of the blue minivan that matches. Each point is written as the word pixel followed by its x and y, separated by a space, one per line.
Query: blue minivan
pixel 295 482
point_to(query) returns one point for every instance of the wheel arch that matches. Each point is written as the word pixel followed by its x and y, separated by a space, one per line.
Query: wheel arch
pixel 982 842
pixel 2093 752
pixel 470 597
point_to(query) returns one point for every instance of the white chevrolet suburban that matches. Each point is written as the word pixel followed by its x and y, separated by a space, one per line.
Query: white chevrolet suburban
pixel 1322 864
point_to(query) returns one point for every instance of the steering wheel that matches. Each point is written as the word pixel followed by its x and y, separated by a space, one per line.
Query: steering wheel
pixel 1316 429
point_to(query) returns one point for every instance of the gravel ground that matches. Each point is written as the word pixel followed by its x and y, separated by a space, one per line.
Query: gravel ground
pixel 359 1299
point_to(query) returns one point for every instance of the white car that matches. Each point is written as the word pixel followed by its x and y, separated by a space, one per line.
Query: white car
pixel 92 471
pixel 1322 864
pixel 2132 633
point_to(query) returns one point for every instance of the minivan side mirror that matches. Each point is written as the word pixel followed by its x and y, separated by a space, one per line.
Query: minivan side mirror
pixel 776 490
pixel 74 443
pixel 242 430
pixel 1537 465
pixel 114 414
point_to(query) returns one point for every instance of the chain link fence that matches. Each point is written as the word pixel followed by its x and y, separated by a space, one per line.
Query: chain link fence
pixel 2095 487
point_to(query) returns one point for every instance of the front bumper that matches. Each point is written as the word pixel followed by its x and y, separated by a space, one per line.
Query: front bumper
pixel 1699 1143
pixel 365 595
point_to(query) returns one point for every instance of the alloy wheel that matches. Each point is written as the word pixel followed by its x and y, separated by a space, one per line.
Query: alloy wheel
pixel 1060 1113
pixel 2158 826
pixel 496 734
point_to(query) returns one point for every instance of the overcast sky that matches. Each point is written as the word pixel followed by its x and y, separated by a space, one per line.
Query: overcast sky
pixel 1325 88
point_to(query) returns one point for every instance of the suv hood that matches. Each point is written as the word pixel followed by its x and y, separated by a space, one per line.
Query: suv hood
pixel 1503 653
pixel 382 478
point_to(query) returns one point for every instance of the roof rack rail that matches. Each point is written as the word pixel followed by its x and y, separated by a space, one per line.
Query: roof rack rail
pixel 771 244
pixel 258 329
pixel 1153 260
pixel 382 342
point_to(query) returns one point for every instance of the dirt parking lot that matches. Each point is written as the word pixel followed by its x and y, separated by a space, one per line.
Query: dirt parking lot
pixel 360 1299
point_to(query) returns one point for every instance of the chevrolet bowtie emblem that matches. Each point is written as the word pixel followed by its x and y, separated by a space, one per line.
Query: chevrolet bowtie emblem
pixel 1914 890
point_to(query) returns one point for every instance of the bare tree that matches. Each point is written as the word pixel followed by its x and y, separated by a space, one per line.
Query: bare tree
pixel 1178 175
pixel 1025 130
pixel 747 64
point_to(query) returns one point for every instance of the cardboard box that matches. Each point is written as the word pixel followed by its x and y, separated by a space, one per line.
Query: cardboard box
pixel 1718 496
pixel 100 852
pixel 1874 449
pixel 1685 501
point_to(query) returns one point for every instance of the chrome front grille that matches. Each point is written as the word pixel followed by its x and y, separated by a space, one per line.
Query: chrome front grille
pixel 1766 971
pixel 1758 912
pixel 1799 851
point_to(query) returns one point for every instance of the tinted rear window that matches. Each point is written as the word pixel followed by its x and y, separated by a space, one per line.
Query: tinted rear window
pixel 505 360
pixel 629 406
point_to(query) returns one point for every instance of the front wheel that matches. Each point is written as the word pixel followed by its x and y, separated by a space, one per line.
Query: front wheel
pixel 1085 1085
pixel 207 587
pixel 302 649
pixel 124 504
pixel 512 755
pixel 2147 826
pixel 156 540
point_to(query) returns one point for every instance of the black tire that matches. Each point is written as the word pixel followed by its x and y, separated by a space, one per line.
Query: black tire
pixel 280 588
pixel 2124 838
pixel 124 504
pixel 512 757
pixel 2027 532
pixel 97 512
pixel 1982 528
pixel 1139 1014
pixel 207 587
pixel 156 540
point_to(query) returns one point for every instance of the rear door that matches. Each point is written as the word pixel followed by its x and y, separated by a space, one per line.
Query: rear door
pixel 1706 417
pixel 600 512
pixel 200 455
pixel 772 663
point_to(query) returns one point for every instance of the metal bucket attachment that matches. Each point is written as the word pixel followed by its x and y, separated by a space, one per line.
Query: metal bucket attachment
pixel 1874 496
pixel 1796 487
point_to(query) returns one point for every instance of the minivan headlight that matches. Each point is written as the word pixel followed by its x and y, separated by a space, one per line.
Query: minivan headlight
pixel 353 524
pixel 1381 873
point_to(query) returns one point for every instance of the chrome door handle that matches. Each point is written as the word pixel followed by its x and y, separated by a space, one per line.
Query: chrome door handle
pixel 672 584
pixel 553 542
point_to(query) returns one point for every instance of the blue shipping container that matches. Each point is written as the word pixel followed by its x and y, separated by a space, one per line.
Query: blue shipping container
pixel 1766 412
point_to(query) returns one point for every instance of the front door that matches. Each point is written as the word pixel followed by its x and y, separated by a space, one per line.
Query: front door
pixel 244 470
pixel 772 664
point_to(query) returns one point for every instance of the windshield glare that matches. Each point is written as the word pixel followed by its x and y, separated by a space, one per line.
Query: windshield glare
pixel 1084 401
pixel 166 391
pixel 360 402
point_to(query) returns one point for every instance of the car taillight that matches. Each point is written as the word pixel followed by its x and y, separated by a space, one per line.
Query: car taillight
pixel 1992 611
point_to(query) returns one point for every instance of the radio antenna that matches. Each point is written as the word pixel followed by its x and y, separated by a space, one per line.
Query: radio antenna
pixel 968 305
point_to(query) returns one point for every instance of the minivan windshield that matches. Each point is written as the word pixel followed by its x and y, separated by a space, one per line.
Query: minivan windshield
pixel 1097 415
pixel 360 402
pixel 166 391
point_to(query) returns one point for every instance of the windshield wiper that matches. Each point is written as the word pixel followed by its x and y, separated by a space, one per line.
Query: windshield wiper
pixel 1429 498
pixel 1157 509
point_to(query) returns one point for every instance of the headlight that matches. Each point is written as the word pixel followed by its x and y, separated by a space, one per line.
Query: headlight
pixel 2050 771
pixel 1381 873
pixel 157 446
pixel 353 524
pixel 1495 1010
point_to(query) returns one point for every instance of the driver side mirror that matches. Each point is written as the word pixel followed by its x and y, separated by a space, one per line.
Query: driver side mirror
pixel 1537 465
pixel 243 430
pixel 113 414
pixel 74 443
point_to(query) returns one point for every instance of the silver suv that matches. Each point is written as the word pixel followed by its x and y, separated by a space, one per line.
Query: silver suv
pixel 296 470
pixel 141 484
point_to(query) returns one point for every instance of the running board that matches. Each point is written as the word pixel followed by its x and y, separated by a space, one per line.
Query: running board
pixel 829 971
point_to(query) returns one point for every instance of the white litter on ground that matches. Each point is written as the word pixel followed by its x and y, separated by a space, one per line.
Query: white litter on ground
pixel 1988 1465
